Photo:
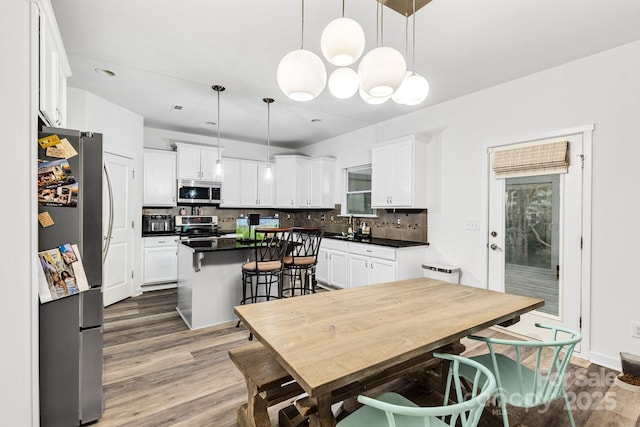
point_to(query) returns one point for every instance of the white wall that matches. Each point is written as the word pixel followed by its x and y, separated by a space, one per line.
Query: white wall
pixel 161 139
pixel 19 304
pixel 602 89
pixel 122 132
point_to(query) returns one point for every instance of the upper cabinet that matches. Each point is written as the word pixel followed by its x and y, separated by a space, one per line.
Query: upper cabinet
pixel 399 174
pixel 303 182
pixel 159 178
pixel 245 184
pixel 316 177
pixel 196 162
pixel 53 67
pixel 231 186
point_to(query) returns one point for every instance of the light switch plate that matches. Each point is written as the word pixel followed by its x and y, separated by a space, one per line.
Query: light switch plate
pixel 472 224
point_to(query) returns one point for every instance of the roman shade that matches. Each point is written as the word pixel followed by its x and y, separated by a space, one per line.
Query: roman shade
pixel 531 158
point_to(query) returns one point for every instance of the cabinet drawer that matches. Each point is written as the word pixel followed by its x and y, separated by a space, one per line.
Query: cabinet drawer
pixel 333 244
pixel 155 241
pixel 374 251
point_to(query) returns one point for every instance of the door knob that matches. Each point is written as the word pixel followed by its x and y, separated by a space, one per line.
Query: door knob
pixel 494 234
pixel 495 247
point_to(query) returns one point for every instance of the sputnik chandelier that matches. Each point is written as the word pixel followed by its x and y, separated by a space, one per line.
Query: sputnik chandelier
pixel 381 74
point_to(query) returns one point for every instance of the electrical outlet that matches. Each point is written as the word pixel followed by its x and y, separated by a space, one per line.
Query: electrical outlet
pixel 635 329
pixel 398 221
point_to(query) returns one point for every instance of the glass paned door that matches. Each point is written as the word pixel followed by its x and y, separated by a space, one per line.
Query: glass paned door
pixel 531 247
pixel 534 242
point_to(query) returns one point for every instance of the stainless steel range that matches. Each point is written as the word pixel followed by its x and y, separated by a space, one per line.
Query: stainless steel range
pixel 191 227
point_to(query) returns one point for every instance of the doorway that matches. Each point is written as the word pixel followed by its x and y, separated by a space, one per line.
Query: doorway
pixel 117 228
pixel 538 226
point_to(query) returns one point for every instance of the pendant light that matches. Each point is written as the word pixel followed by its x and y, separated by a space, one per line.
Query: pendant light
pixel 342 41
pixel 343 82
pixel 381 70
pixel 301 73
pixel 415 88
pixel 219 172
pixel 268 173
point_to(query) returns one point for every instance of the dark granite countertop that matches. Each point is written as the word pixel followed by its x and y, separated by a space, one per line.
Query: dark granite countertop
pixel 376 241
pixel 215 244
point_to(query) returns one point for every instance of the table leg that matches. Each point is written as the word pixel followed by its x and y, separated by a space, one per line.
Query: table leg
pixel 323 417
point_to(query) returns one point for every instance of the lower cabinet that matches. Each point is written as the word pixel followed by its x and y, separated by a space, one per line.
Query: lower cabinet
pixel 160 260
pixel 332 267
pixel 350 264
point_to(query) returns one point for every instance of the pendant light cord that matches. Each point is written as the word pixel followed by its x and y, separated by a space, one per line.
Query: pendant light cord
pixel 302 30
pixel 268 129
pixel 413 43
pixel 343 8
pixel 218 125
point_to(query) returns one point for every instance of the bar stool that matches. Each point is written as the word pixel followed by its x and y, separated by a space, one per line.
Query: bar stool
pixel 264 271
pixel 300 263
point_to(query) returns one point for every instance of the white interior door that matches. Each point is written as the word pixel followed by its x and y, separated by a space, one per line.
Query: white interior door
pixel 535 242
pixel 118 264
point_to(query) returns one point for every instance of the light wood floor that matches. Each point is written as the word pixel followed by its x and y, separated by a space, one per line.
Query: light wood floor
pixel 159 373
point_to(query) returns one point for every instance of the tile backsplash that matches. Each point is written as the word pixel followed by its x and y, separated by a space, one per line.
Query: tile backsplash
pixel 408 225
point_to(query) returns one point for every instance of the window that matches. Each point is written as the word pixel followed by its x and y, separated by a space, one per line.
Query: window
pixel 358 191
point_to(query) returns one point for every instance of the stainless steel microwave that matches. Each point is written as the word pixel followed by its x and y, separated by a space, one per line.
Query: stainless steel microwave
pixel 198 192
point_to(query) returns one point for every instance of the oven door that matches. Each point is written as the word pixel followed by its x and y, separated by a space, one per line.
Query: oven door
pixel 195 195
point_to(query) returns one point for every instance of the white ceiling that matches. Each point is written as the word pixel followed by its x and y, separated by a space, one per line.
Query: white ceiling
pixel 168 52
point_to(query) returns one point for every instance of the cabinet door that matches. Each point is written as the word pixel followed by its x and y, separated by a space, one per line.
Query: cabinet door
pixel 189 162
pixel 49 74
pixel 304 191
pixel 159 178
pixel 401 177
pixel 322 268
pixel 286 183
pixel 358 271
pixel 381 271
pixel 208 159
pixel 381 176
pixel 249 187
pixel 230 183
pixel 265 186
pixel 160 265
pixel 315 184
pixel 339 274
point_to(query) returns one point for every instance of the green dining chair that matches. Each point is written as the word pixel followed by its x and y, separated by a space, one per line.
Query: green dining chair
pixel 393 410
pixel 521 386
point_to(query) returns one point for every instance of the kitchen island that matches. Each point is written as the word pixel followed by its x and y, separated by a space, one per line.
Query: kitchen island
pixel 210 280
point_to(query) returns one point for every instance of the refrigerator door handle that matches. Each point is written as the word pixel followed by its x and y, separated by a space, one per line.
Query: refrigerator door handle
pixel 107 238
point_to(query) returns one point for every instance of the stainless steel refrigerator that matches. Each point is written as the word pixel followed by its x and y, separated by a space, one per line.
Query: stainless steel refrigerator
pixel 71 327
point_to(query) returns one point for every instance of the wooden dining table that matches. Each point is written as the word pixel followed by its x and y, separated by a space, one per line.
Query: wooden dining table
pixel 331 342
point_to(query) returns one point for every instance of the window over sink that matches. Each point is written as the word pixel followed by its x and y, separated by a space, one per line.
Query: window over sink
pixel 358 191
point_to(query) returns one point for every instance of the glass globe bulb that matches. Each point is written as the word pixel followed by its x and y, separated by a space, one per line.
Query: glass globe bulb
pixel 413 90
pixel 381 71
pixel 342 41
pixel 343 83
pixel 301 75
pixel 373 100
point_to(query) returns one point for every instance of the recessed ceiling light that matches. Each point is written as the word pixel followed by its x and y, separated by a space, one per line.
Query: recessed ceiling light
pixel 176 107
pixel 105 72
pixel 316 120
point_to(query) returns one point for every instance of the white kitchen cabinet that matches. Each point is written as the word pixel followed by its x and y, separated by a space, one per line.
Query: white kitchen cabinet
pixel 315 183
pixel 159 187
pixel 54 69
pixel 286 178
pixel 348 264
pixel 399 174
pixel 160 260
pixel 332 263
pixel 370 264
pixel 303 182
pixel 231 183
pixel 257 190
pixel 196 162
